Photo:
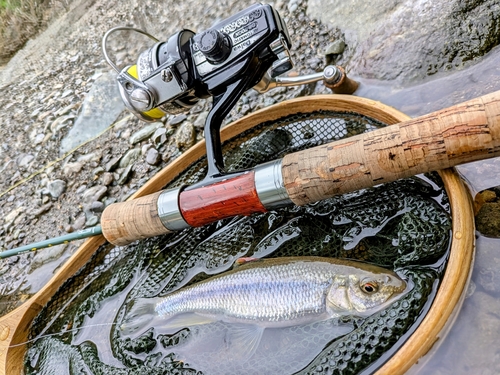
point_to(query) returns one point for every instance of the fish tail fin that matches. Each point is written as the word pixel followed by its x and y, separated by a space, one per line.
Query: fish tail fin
pixel 140 316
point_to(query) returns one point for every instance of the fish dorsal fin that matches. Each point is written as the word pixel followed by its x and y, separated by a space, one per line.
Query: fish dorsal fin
pixel 244 339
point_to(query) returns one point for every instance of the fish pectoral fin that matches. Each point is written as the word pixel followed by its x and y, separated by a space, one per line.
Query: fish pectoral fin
pixel 186 320
pixel 244 339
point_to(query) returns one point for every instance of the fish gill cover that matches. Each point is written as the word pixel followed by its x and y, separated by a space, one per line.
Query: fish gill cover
pixel 404 225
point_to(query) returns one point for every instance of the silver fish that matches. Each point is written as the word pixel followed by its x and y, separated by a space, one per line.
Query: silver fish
pixel 280 292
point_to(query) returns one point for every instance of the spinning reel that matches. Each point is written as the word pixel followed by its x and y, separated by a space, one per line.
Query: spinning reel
pixel 249 49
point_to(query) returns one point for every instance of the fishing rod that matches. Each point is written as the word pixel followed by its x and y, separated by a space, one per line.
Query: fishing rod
pixel 251 50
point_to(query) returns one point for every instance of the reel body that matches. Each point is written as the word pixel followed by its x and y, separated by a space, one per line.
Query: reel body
pixel 170 77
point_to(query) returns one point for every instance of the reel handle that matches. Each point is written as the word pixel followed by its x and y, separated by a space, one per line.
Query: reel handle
pixel 459 134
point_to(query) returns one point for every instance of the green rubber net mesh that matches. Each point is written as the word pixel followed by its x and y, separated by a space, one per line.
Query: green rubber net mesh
pixel 403 225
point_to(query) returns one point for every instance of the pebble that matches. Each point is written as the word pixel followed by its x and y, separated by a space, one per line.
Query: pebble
pixel 200 120
pixel 92 221
pixel 107 178
pixel 185 135
pixel 95 193
pixel 24 159
pixel 130 157
pixel 159 137
pixel 152 156
pixel 336 47
pixel 56 188
pixel 124 176
pixel 176 120
pixel 72 168
pixel 144 133
pixel 97 206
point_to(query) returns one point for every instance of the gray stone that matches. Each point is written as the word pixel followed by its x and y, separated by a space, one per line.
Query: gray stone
pixel 56 188
pixel 96 206
pixel 200 120
pixel 24 159
pixel 176 120
pixel 124 176
pixel 91 221
pixel 152 156
pixel 159 137
pixel 95 193
pixel 145 132
pixel 130 157
pixel 336 47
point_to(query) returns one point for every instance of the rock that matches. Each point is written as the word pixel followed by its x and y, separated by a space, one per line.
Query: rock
pixel 152 156
pixel 408 40
pixel 488 219
pixel 95 193
pixel 112 164
pixel 337 47
pixel 42 210
pixel 124 176
pixel 11 216
pixel 130 157
pixel 200 120
pixel 176 120
pixel 159 137
pixel 144 133
pixel 24 159
pixel 56 188
pixel 92 221
pixel 107 178
pixel 96 206
pixel 72 168
pixel 185 135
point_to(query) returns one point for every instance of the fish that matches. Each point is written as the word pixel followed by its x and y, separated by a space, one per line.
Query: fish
pixel 271 293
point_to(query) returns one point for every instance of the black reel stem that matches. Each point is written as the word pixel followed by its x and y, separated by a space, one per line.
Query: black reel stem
pixel 223 103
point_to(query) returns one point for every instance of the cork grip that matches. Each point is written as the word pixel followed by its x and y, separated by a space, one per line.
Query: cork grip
pixel 123 223
pixel 463 133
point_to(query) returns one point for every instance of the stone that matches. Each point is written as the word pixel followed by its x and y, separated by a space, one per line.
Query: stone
pixel 176 120
pixel 152 156
pixel 56 188
pixel 337 47
pixel 185 135
pixel 96 206
pixel 124 176
pixel 107 178
pixel 144 133
pixel 24 160
pixel 130 157
pixel 72 168
pixel 95 193
pixel 200 120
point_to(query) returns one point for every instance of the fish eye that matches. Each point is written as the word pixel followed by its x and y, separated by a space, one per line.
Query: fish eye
pixel 369 287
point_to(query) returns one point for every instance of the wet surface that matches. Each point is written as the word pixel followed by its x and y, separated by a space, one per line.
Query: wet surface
pixel 470 346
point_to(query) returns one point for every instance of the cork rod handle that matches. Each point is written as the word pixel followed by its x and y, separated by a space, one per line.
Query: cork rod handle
pixel 463 133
